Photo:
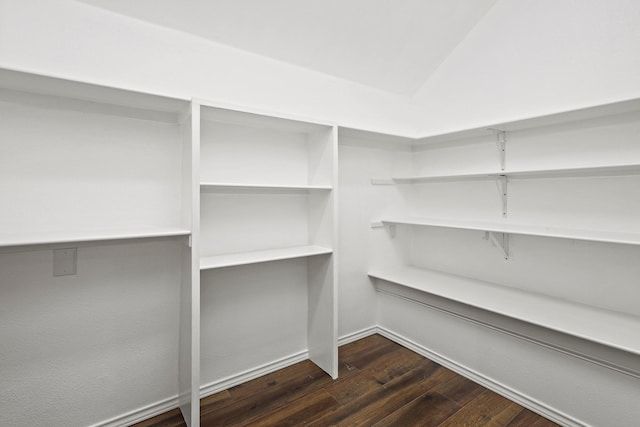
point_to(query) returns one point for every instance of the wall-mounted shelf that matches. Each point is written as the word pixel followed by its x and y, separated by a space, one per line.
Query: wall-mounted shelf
pixel 224 187
pixel 52 238
pixel 598 325
pixel 577 172
pixel 519 124
pixel 254 257
pixel 617 237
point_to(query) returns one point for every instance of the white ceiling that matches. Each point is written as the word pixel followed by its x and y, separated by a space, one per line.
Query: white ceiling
pixel 393 45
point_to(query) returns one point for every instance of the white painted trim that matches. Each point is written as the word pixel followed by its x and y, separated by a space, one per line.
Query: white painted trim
pixel 357 335
pixel 140 414
pixel 511 394
pixel 251 374
pixel 163 406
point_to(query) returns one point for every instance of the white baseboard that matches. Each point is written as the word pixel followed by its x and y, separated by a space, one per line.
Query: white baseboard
pixel 509 393
pixel 251 374
pixel 140 414
pixel 160 407
pixel 358 335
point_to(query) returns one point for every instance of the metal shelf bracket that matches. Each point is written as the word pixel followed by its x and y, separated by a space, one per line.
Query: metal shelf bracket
pixel 502 191
pixel 390 227
pixel 500 241
pixel 501 141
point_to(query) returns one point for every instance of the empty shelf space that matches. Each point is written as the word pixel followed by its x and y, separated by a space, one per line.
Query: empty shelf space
pixel 576 172
pixel 225 187
pixel 528 230
pixel 50 238
pixel 253 257
pixel 590 323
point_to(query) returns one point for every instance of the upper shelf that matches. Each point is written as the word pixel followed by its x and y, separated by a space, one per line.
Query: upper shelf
pixel 485 129
pixel 529 230
pixel 574 115
pixel 605 327
pixel 577 172
pixel 52 92
pixel 254 257
pixel 259 119
pixel 223 187
pixel 8 240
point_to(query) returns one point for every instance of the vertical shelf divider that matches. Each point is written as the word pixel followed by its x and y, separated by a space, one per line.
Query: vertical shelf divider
pixel 323 306
pixel 189 349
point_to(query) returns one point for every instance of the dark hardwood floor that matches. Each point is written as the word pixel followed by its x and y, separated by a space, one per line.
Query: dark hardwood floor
pixel 381 384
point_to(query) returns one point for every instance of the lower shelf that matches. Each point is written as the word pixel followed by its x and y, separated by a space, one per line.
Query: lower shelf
pixel 253 257
pixel 594 324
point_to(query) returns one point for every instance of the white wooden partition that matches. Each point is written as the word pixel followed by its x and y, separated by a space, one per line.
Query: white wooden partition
pixel 233 194
pixel 268 238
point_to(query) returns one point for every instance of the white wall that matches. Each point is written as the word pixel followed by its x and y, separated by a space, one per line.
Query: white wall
pixel 81 42
pixel 359 204
pixel 77 350
pixel 533 57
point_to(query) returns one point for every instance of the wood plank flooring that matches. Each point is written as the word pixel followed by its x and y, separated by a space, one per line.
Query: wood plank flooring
pixel 381 384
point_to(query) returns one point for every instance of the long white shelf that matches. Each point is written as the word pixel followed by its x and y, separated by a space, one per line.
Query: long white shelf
pixel 522 123
pixel 254 257
pixel 529 230
pixel 49 238
pixel 577 172
pixel 595 324
pixel 226 187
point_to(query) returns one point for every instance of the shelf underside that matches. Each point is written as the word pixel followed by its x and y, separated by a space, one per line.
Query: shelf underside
pixel 254 257
pixel 527 230
pixel 8 240
pixel 224 187
pixel 581 172
pixel 594 324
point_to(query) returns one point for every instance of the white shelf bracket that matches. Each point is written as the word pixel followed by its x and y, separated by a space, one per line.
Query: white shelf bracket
pixel 501 141
pixel 380 224
pixel 382 181
pixel 502 191
pixel 500 241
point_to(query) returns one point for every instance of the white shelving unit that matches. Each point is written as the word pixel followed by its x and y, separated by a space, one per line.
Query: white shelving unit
pixel 86 166
pixel 90 166
pixel 268 199
pixel 604 327
pixel 598 171
pixel 101 163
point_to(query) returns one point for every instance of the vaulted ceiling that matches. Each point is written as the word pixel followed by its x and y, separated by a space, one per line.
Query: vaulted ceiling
pixel 392 45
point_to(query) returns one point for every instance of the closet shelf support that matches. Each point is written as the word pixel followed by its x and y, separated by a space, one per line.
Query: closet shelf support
pixel 391 227
pixel 500 241
pixel 501 141
pixel 502 191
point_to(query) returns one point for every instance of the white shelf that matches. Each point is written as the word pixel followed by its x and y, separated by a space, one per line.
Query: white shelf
pixel 50 238
pixel 517 124
pixel 55 93
pixel 254 257
pixel 528 230
pixel 225 187
pixel 579 172
pixel 590 323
